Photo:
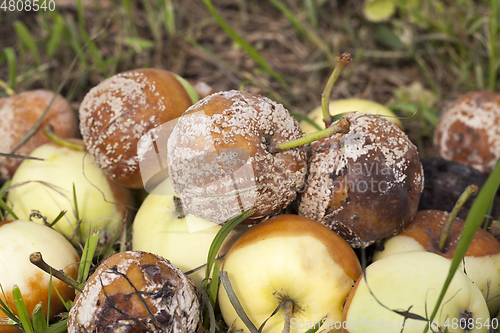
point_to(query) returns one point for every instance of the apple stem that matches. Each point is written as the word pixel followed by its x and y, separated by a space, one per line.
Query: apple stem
pixel 8 90
pixel 343 60
pixel 469 191
pixel 288 309
pixel 49 133
pixel 341 126
pixel 37 260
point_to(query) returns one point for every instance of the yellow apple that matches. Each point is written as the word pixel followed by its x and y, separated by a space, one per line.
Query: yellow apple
pixel 481 262
pixel 288 257
pixel 47 187
pixel 18 239
pixel 412 281
pixel 348 105
pixel 162 227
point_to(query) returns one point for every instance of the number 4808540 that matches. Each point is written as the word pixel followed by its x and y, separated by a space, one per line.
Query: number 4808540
pixel 28 5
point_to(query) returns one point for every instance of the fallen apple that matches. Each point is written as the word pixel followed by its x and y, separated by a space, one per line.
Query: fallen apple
pixel 364 184
pixel 45 188
pixel 222 158
pixel 162 227
pixel 20 112
pixel 20 238
pixel 340 106
pixel 136 291
pixel 410 283
pixel 481 262
pixel 293 261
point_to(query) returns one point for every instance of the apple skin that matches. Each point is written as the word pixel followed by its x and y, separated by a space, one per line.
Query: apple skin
pixel 411 281
pixel 159 228
pixel 135 291
pixel 116 113
pixel 348 105
pixel 20 238
pixel 101 203
pixel 481 262
pixel 19 114
pixel 288 256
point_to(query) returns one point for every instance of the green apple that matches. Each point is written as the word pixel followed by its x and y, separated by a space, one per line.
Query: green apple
pixel 348 105
pixel 18 239
pixel 288 258
pixel 481 262
pixel 412 281
pixel 162 227
pixel 47 187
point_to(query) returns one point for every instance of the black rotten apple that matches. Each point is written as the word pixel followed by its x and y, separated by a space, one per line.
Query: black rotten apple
pixel 365 184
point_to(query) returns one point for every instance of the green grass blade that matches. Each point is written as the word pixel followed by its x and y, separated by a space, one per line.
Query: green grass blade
pixel 6 309
pixel 10 55
pixel 4 206
pixel 22 311
pixel 75 203
pixel 60 216
pixel 249 49
pixel 27 40
pixel 305 118
pixel 493 45
pixel 59 327
pixel 55 36
pixel 39 324
pixel 473 222
pixel 87 255
pixel 236 303
pixel 169 18
pixel 214 284
pixel 219 238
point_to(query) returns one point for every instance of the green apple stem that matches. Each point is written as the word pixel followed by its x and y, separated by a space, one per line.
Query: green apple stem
pixel 469 191
pixel 341 126
pixel 37 260
pixel 49 133
pixel 288 309
pixel 343 60
pixel 8 90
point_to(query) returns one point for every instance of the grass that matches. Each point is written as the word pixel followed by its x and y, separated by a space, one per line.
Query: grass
pixel 283 49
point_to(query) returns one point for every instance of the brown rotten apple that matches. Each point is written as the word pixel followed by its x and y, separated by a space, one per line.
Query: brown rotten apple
pixel 481 262
pixel 115 114
pixel 469 131
pixel 365 184
pixel 20 112
pixel 222 159
pixel 136 291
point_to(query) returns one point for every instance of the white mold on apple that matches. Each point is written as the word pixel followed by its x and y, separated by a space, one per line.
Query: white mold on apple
pixel 47 187
pixel 221 159
pixel 468 132
pixel 365 184
pixel 20 112
pixel 20 238
pixel 412 281
pixel 288 258
pixel 115 114
pixel 136 291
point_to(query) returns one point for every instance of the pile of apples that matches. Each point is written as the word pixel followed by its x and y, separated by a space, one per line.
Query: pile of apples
pixel 315 203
